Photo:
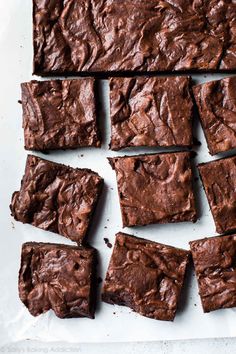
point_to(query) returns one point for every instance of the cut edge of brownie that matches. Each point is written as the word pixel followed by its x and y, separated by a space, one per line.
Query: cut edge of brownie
pixel 93 282
pixel 115 299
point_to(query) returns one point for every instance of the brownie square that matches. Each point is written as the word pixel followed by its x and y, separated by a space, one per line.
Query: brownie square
pixel 214 262
pixel 150 111
pixel 57 198
pixel 145 276
pixel 219 181
pixel 58 277
pixel 59 114
pixel 216 101
pixel 155 188
pixel 103 36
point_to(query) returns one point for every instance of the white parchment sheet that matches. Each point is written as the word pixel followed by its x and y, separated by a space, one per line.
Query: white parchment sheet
pixel 112 323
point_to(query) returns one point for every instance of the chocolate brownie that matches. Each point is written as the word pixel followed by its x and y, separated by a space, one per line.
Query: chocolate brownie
pixel 216 101
pixel 58 277
pixel 59 114
pixel 57 198
pixel 145 276
pixel 219 181
pixel 150 111
pixel 112 36
pixel 155 188
pixel 214 262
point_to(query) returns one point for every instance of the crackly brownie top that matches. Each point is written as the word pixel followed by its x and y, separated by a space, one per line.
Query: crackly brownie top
pixel 56 197
pixel 57 277
pixel 214 262
pixel 150 112
pixel 59 114
pixel 219 180
pixel 91 35
pixel 146 276
pixel 216 101
pixel 155 188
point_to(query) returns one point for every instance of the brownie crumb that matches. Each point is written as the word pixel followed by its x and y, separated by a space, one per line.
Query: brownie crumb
pixel 106 240
pixel 193 154
pixel 19 101
pixel 99 280
pixel 196 142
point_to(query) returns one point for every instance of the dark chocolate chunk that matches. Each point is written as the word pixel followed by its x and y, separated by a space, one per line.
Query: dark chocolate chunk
pixel 150 111
pixel 108 36
pixel 214 262
pixel 219 181
pixel 145 276
pixel 57 198
pixel 59 114
pixel 216 101
pixel 155 188
pixel 58 277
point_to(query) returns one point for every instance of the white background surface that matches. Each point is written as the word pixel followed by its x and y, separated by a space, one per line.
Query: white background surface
pixel 122 325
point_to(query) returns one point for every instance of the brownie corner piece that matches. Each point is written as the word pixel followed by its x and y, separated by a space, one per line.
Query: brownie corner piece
pixel 155 188
pixel 219 181
pixel 60 114
pixel 145 276
pixel 57 198
pixel 150 111
pixel 216 102
pixel 214 263
pixel 58 277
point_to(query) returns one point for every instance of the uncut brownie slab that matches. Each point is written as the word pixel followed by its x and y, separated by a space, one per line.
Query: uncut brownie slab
pixel 214 262
pixel 150 111
pixel 58 277
pixel 219 181
pixel 57 198
pixel 145 276
pixel 59 114
pixel 103 36
pixel 155 188
pixel 216 101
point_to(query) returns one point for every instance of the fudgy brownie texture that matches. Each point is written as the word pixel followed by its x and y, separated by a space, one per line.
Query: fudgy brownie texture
pixel 214 262
pixel 219 181
pixel 103 36
pixel 150 111
pixel 216 101
pixel 59 114
pixel 155 188
pixel 57 198
pixel 58 277
pixel 145 276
